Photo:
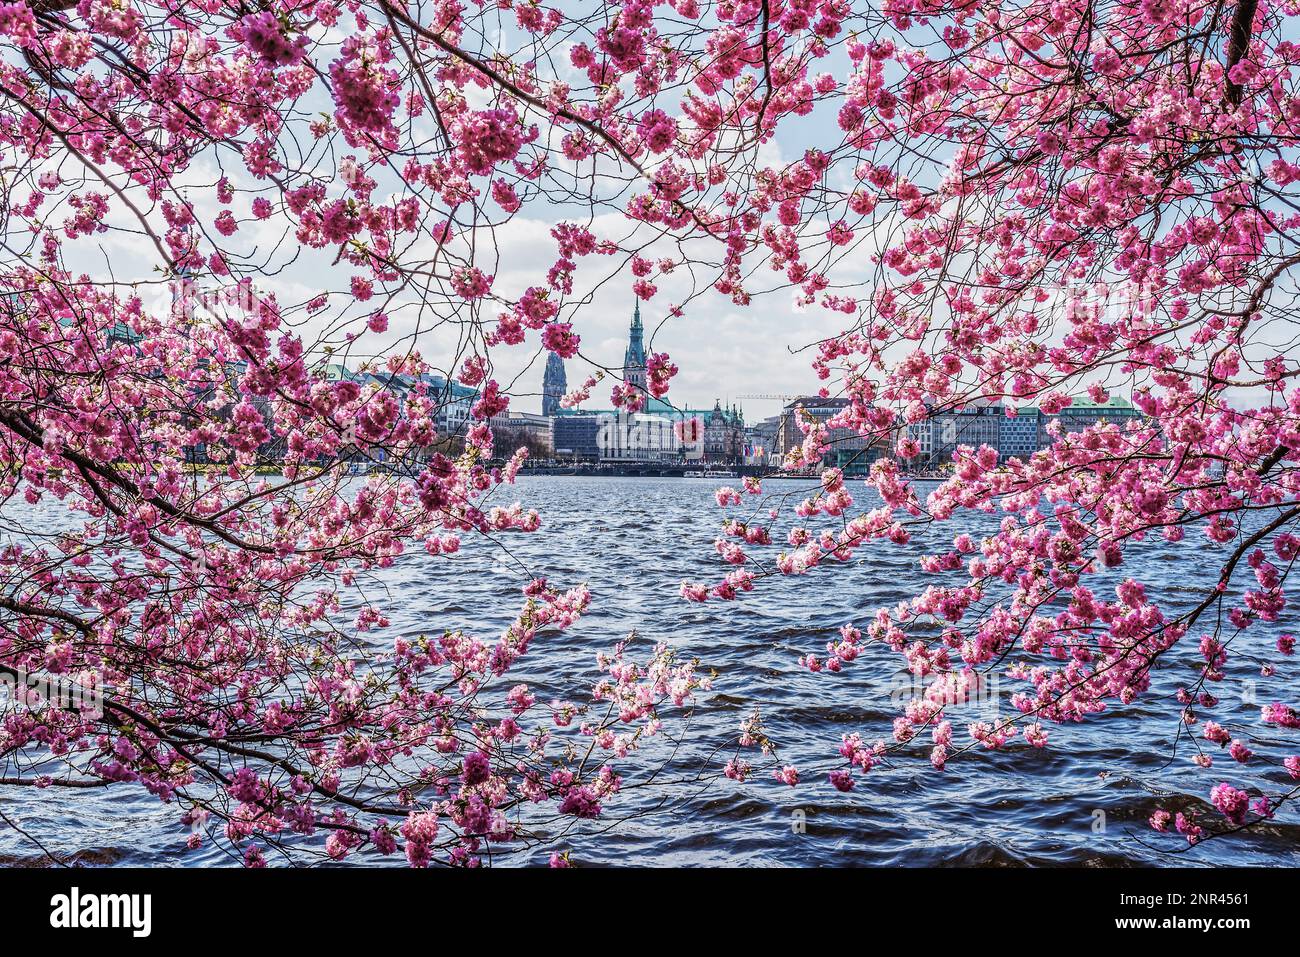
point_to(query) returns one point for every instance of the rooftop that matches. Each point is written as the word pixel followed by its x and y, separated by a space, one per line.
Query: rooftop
pixel 816 401
pixel 652 407
pixel 1114 402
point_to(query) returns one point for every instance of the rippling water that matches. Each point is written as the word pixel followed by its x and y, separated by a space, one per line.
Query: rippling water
pixel 633 541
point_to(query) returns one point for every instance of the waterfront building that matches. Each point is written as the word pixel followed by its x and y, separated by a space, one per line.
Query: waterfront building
pixel 639 438
pixel 535 432
pixel 1014 436
pixel 1083 412
pixel 848 449
pixel 453 401
pixel 922 433
pixel 724 435
pixel 973 426
pixel 788 433
pixel 761 442
pixel 1020 435
pixel 576 436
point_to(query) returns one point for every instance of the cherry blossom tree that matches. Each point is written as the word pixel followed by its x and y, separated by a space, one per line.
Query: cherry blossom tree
pixel 206 205
pixel 1064 200
pixel 195 626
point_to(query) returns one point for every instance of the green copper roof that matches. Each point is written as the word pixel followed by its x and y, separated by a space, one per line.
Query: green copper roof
pixel 1114 402
pixel 336 371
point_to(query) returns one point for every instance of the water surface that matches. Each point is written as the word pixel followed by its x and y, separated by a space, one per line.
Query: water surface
pixel 1082 801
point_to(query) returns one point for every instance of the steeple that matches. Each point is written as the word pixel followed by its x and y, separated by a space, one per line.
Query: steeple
pixel 554 384
pixel 634 359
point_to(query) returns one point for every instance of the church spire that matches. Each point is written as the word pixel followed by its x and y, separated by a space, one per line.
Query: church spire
pixel 634 371
pixel 554 384
pixel 635 355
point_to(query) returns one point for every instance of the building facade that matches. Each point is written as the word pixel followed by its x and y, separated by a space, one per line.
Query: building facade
pixel 513 429
pixel 922 433
pixel 1020 435
pixel 973 426
pixel 848 449
pixel 1014 436
pixel 452 400
pixel 576 437
pixel 1083 413
pixel 724 436
pixel 761 442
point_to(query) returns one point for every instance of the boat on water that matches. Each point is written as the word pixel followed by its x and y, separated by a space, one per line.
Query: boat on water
pixel 719 473
pixel 693 473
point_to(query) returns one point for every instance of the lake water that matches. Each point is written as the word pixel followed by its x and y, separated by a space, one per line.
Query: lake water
pixel 1082 801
